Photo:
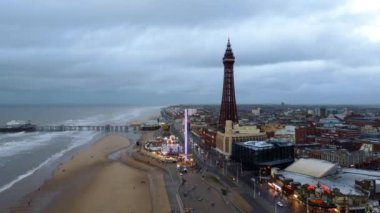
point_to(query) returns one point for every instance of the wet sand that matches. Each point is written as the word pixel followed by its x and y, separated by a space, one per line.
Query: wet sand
pixel 90 182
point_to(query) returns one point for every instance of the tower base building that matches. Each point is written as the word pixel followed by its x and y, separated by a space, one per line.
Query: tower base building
pixel 234 133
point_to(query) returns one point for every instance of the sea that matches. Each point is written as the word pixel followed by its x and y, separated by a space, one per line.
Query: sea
pixel 28 159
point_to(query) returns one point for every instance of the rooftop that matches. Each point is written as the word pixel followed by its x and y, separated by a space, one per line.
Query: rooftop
pixel 308 171
pixel 312 167
pixel 258 144
pixel 268 144
pixel 344 182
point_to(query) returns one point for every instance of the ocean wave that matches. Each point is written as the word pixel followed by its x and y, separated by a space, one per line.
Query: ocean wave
pixel 13 145
pixel 124 118
pixel 15 135
pixel 12 134
pixel 79 140
pixel 92 120
pixel 119 118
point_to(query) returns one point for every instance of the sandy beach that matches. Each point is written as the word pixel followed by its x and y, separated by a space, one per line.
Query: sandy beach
pixel 90 182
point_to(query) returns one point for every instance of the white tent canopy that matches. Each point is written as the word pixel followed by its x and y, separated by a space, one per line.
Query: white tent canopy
pixel 313 167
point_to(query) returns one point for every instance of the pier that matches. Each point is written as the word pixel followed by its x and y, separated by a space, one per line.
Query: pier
pixel 99 128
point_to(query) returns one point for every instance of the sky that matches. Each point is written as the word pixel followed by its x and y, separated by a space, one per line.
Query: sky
pixel 165 52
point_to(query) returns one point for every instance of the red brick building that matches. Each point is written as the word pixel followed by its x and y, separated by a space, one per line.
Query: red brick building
pixel 313 134
pixel 208 137
pixel 360 120
pixel 307 134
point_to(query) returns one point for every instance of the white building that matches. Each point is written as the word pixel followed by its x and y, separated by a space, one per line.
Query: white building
pixel 256 111
pixel 236 133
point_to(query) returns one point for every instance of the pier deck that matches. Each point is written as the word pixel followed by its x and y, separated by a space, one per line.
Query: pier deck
pixel 99 128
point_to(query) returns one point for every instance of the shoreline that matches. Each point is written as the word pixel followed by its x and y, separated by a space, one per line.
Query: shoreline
pixel 91 177
pixel 32 182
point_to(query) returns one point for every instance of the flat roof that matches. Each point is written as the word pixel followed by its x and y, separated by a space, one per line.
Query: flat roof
pixel 256 145
pixel 344 182
pixel 260 145
pixel 276 162
pixel 312 167
pixel 343 179
pixel 360 172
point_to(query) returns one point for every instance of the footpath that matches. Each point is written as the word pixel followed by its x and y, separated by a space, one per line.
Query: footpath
pixel 192 191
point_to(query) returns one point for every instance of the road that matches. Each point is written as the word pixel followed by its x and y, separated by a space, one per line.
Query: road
pixel 201 197
pixel 265 198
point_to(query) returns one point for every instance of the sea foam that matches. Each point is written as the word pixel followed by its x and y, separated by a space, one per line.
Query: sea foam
pixel 79 139
pixel 15 144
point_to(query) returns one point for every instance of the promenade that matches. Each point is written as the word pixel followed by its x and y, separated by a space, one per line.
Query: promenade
pixel 195 191
pixel 202 193
pixel 230 175
pixel 200 189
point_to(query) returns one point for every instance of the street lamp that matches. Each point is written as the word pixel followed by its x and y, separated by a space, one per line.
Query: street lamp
pixel 209 158
pixel 225 167
pixel 254 187
pixel 241 166
pixel 275 206
pixel 237 174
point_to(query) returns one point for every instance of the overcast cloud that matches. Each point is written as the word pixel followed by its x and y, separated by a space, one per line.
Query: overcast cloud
pixel 170 51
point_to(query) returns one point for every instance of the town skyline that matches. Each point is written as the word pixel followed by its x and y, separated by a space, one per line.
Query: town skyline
pixel 141 53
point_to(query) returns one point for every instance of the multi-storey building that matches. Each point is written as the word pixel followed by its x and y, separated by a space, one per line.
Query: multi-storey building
pixel 236 133
pixel 256 154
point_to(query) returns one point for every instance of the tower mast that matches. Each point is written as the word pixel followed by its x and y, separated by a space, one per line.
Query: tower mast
pixel 228 109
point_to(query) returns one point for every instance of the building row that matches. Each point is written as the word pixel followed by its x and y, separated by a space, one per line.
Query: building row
pixel 325 187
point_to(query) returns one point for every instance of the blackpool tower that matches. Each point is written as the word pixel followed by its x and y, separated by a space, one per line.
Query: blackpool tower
pixel 228 110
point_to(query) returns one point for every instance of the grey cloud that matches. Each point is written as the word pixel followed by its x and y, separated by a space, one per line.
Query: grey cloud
pixel 171 52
